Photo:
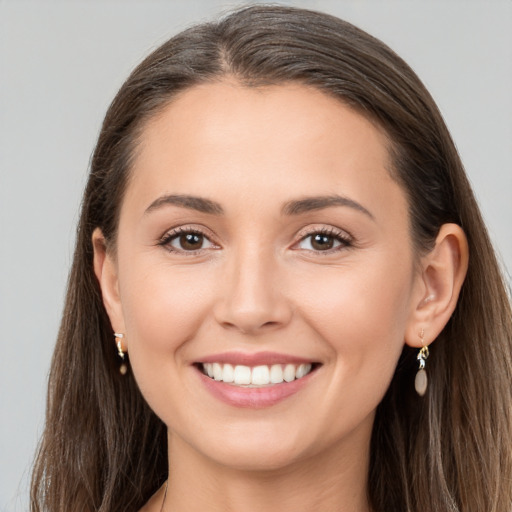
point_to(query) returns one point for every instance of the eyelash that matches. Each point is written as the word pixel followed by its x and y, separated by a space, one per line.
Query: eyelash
pixel 166 240
pixel 345 240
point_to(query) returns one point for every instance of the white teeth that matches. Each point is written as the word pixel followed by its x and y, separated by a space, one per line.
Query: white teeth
pixel 262 375
pixel 289 372
pixel 302 370
pixel 276 374
pixel 228 373
pixel 242 375
pixel 217 371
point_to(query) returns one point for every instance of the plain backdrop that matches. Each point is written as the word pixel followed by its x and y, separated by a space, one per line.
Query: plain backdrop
pixel 61 64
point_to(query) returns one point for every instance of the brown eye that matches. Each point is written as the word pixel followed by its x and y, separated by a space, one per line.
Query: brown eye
pixel 186 241
pixel 190 241
pixel 321 242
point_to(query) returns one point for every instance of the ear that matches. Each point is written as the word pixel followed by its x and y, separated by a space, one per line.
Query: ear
pixel 105 269
pixel 440 280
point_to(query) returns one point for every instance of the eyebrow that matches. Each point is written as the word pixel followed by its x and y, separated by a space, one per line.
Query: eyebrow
pixel 186 201
pixel 319 202
pixel 295 207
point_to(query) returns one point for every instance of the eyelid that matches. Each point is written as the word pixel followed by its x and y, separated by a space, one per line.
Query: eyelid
pixel 324 229
pixel 345 238
pixel 172 233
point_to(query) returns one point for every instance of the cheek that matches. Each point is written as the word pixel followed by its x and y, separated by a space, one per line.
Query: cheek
pixel 363 317
pixel 163 308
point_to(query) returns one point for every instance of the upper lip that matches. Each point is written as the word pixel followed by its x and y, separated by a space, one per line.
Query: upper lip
pixel 255 359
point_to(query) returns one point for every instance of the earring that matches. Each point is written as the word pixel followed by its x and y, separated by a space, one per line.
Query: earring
pixel 421 381
pixel 118 337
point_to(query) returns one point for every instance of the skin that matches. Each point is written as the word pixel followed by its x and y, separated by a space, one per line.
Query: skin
pixel 257 283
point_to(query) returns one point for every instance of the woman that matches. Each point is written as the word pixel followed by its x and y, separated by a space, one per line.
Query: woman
pixel 283 293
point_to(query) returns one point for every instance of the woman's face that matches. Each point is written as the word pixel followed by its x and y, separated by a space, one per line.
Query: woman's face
pixel 262 238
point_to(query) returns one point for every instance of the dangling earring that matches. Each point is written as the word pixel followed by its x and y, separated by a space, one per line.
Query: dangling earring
pixel 118 337
pixel 421 381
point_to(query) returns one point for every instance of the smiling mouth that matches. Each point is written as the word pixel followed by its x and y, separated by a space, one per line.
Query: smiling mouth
pixel 256 376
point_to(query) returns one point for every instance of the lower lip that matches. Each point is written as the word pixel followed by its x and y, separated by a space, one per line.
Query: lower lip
pixel 256 398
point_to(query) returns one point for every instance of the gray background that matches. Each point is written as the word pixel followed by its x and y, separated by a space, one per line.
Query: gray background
pixel 61 64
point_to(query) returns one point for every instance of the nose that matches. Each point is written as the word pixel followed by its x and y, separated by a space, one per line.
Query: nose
pixel 252 299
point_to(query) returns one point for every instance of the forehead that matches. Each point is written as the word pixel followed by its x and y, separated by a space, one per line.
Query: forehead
pixel 293 110
pixel 225 138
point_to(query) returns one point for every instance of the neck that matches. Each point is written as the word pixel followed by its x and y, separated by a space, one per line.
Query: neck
pixel 332 481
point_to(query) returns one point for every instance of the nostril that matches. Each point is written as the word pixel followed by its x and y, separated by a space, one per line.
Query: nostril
pixel 248 315
pixel 270 324
pixel 251 328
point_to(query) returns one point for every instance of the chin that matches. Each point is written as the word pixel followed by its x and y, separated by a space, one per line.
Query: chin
pixel 260 450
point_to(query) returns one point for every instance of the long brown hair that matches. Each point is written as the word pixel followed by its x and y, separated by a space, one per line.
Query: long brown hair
pixel 103 449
